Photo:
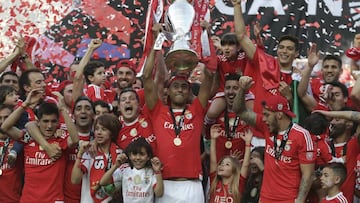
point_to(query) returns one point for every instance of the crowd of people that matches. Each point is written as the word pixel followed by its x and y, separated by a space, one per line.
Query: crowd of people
pixel 255 130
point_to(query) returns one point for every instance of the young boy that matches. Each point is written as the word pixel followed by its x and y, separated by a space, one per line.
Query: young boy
pixel 333 175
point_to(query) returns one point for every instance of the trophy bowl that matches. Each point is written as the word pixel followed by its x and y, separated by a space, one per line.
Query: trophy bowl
pixel 181 57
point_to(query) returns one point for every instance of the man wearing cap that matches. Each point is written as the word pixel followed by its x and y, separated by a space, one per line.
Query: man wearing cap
pixel 177 127
pixel 289 149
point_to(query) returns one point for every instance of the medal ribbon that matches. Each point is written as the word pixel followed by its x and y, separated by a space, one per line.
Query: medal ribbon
pixel 3 152
pixel 283 142
pixel 230 133
pixel 177 127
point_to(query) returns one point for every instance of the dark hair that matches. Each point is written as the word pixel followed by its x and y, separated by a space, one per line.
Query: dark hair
pixel 316 123
pixel 91 68
pixel 83 98
pixel 292 38
pixel 339 169
pixel 342 87
pixel 8 73
pixel 229 39
pixel 25 80
pixel 4 106
pixel 102 104
pixel 135 148
pixel 141 80
pixel 47 108
pixel 111 123
pixel 333 57
pixel 232 76
pixel 4 91
pixel 129 89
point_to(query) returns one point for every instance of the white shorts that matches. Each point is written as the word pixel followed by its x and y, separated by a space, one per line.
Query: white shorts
pixel 182 192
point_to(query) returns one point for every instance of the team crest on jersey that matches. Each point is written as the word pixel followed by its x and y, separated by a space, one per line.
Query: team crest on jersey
pixel 309 155
pixel 287 147
pixel 231 122
pixel 133 132
pixel 188 115
pixel 143 123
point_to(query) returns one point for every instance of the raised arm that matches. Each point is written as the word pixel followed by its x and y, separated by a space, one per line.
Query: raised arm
pixel 107 179
pixel 76 173
pixel 150 89
pixel 13 56
pixel 156 166
pixel 78 78
pixel 70 125
pixel 205 87
pixel 214 133
pixel 313 58
pixel 239 106
pixel 246 44
pixel 247 137
pixel 31 101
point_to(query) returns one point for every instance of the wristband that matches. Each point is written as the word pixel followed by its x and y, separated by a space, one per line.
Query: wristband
pixel 248 145
pixel 157 172
pixel 24 106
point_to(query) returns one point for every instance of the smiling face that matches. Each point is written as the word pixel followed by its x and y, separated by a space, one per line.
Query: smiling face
pixel 99 76
pixel 286 53
pixel 129 106
pixel 125 77
pixel 48 125
pixel 140 159
pixel 331 70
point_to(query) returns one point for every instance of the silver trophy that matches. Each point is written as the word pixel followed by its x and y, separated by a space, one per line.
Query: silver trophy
pixel 180 57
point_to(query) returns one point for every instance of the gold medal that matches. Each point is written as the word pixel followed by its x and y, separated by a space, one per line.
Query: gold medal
pixel 177 141
pixel 41 148
pixel 0 172
pixel 228 144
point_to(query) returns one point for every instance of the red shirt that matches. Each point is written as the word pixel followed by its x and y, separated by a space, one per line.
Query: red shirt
pixel 283 176
pixel 72 192
pixel 11 178
pixel 225 66
pixel 95 93
pixel 237 142
pixel 222 192
pixel 348 187
pixel 181 161
pixel 323 151
pixel 140 127
pixel 339 198
pixel 44 178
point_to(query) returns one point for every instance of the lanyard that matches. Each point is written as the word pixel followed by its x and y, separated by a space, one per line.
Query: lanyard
pixel 230 133
pixel 283 143
pixel 177 127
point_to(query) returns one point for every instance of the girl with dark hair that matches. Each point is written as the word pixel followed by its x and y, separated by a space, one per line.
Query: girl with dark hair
pixel 139 179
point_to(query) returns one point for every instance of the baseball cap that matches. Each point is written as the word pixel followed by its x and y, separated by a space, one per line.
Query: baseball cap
pixel 176 77
pixel 278 103
pixel 126 63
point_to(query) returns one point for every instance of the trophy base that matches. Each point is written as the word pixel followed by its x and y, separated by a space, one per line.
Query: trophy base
pixel 181 60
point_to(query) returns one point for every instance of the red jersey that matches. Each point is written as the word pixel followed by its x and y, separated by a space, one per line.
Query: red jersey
pixel 283 175
pixel 237 143
pixel 223 192
pixel 44 178
pixel 323 151
pixel 225 66
pixel 11 177
pixel 357 172
pixel 352 152
pixel 339 198
pixel 181 160
pixel 72 192
pixel 95 93
pixel 140 127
